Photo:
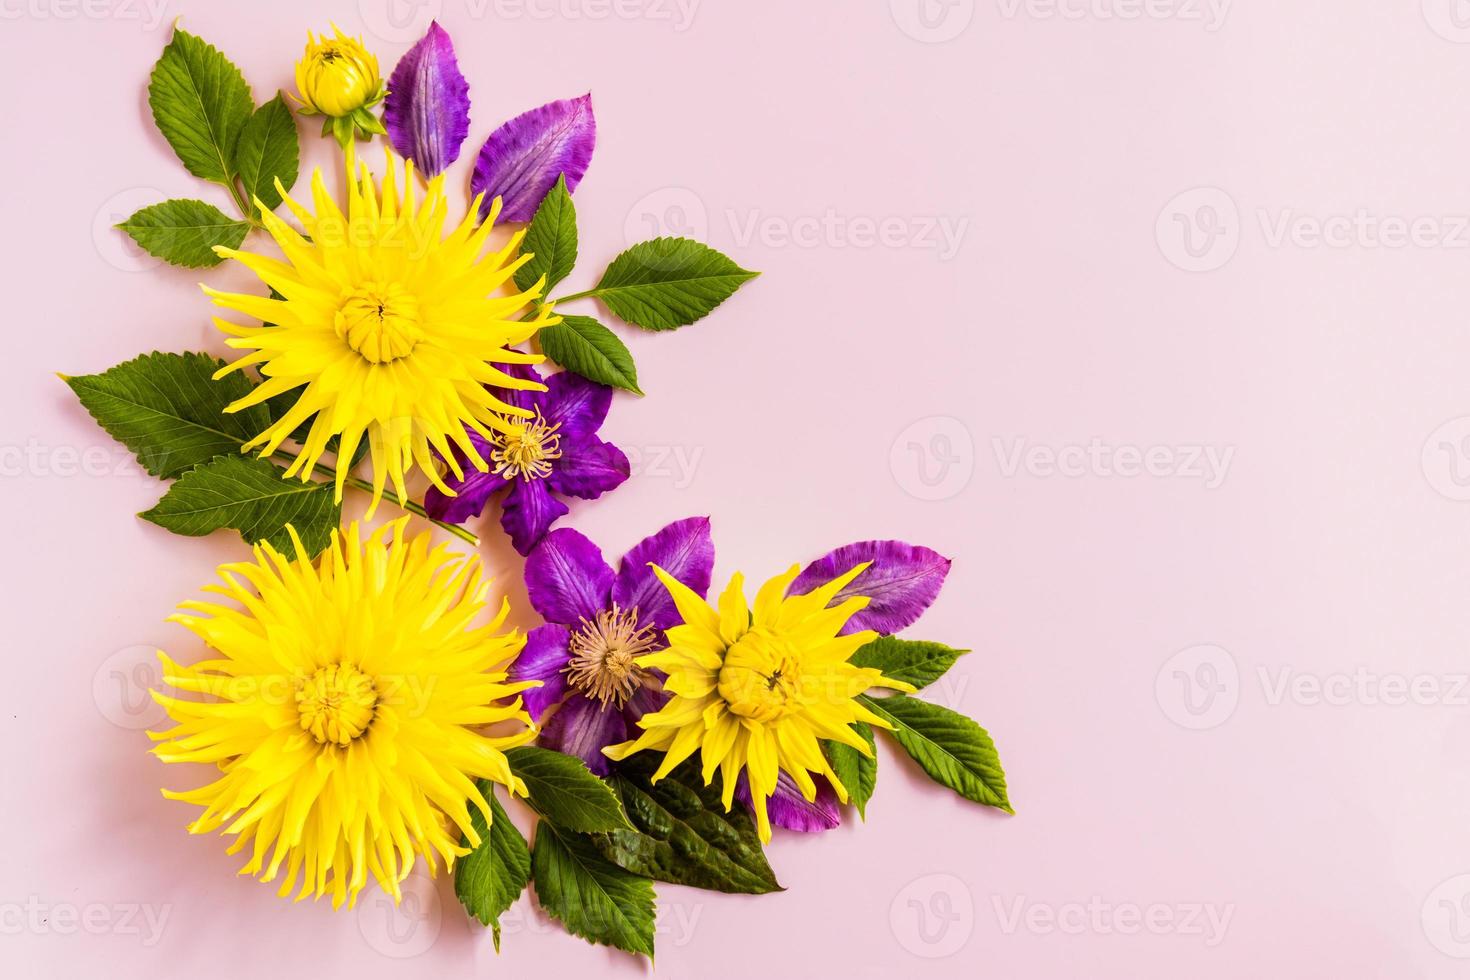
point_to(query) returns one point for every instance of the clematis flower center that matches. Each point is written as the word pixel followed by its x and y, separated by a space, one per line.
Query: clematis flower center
pixel 380 322
pixel 527 449
pixel 336 703
pixel 761 676
pixel 603 651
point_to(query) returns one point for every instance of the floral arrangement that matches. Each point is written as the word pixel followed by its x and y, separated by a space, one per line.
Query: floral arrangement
pixel 362 699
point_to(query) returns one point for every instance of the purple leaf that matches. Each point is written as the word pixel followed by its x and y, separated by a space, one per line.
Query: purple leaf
pixel 522 159
pixel 685 550
pixel 528 512
pixel 545 654
pixel 902 582
pixel 787 808
pixel 427 112
pixel 567 579
pixel 581 727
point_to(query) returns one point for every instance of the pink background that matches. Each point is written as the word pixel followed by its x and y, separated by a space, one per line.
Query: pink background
pixel 1131 634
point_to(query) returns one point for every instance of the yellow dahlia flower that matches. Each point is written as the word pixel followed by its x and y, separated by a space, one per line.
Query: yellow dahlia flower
pixel 338 78
pixel 386 328
pixel 345 699
pixel 756 691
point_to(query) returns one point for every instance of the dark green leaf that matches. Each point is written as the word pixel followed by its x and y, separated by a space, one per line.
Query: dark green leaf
pixel 493 875
pixel 582 345
pixel 200 103
pixel 593 897
pixel 254 497
pixel 168 411
pixel 268 150
pixel 857 772
pixel 551 239
pixel 684 834
pixel 185 232
pixel 669 282
pixel 564 791
pixel 951 748
pixel 919 662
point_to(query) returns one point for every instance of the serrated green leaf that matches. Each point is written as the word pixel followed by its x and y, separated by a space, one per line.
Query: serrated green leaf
pixel 684 834
pixel 669 282
pixel 918 662
pixel 200 102
pixel 583 346
pixel 563 790
pixel 268 150
pixel 857 772
pixel 254 497
pixel 185 232
pixel 952 749
pixel 551 239
pixel 493 875
pixel 593 897
pixel 168 411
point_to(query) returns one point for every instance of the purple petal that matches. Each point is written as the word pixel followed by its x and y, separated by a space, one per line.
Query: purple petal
pixel 579 406
pixel 528 512
pixel 566 578
pixel 427 112
pixel 644 700
pixel 685 550
pixel 588 468
pixel 788 808
pixel 581 727
pixel 902 582
pixel 471 492
pixel 522 159
pixel 543 658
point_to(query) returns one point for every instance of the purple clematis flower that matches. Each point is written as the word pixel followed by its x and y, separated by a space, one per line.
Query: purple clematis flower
pixel 554 452
pixel 597 622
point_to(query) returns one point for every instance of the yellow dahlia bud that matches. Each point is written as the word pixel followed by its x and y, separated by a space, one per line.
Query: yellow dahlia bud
pixel 338 78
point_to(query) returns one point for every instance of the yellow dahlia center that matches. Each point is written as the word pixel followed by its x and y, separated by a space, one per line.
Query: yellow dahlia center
pixel 761 676
pixel 336 703
pixel 380 321
pixel 527 449
pixel 603 651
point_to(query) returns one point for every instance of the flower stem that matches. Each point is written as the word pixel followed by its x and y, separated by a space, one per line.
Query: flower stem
pixel 582 295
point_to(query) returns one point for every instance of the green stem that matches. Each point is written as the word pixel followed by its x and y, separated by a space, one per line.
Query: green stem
pixel 582 295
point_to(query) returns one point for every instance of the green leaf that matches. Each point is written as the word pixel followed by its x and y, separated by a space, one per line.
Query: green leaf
pixel 200 103
pixel 918 662
pixel 669 282
pixel 168 411
pixel 551 239
pixel 564 791
pixel 857 772
pixel 185 232
pixel 593 897
pixel 684 835
pixel 951 748
pixel 268 150
pixel 254 497
pixel 582 345
pixel 493 875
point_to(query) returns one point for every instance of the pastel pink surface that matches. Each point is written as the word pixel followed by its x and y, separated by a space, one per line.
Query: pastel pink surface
pixel 1325 839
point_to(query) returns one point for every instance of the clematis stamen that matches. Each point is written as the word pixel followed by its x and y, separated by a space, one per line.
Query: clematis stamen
pixel 527 449
pixel 603 653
